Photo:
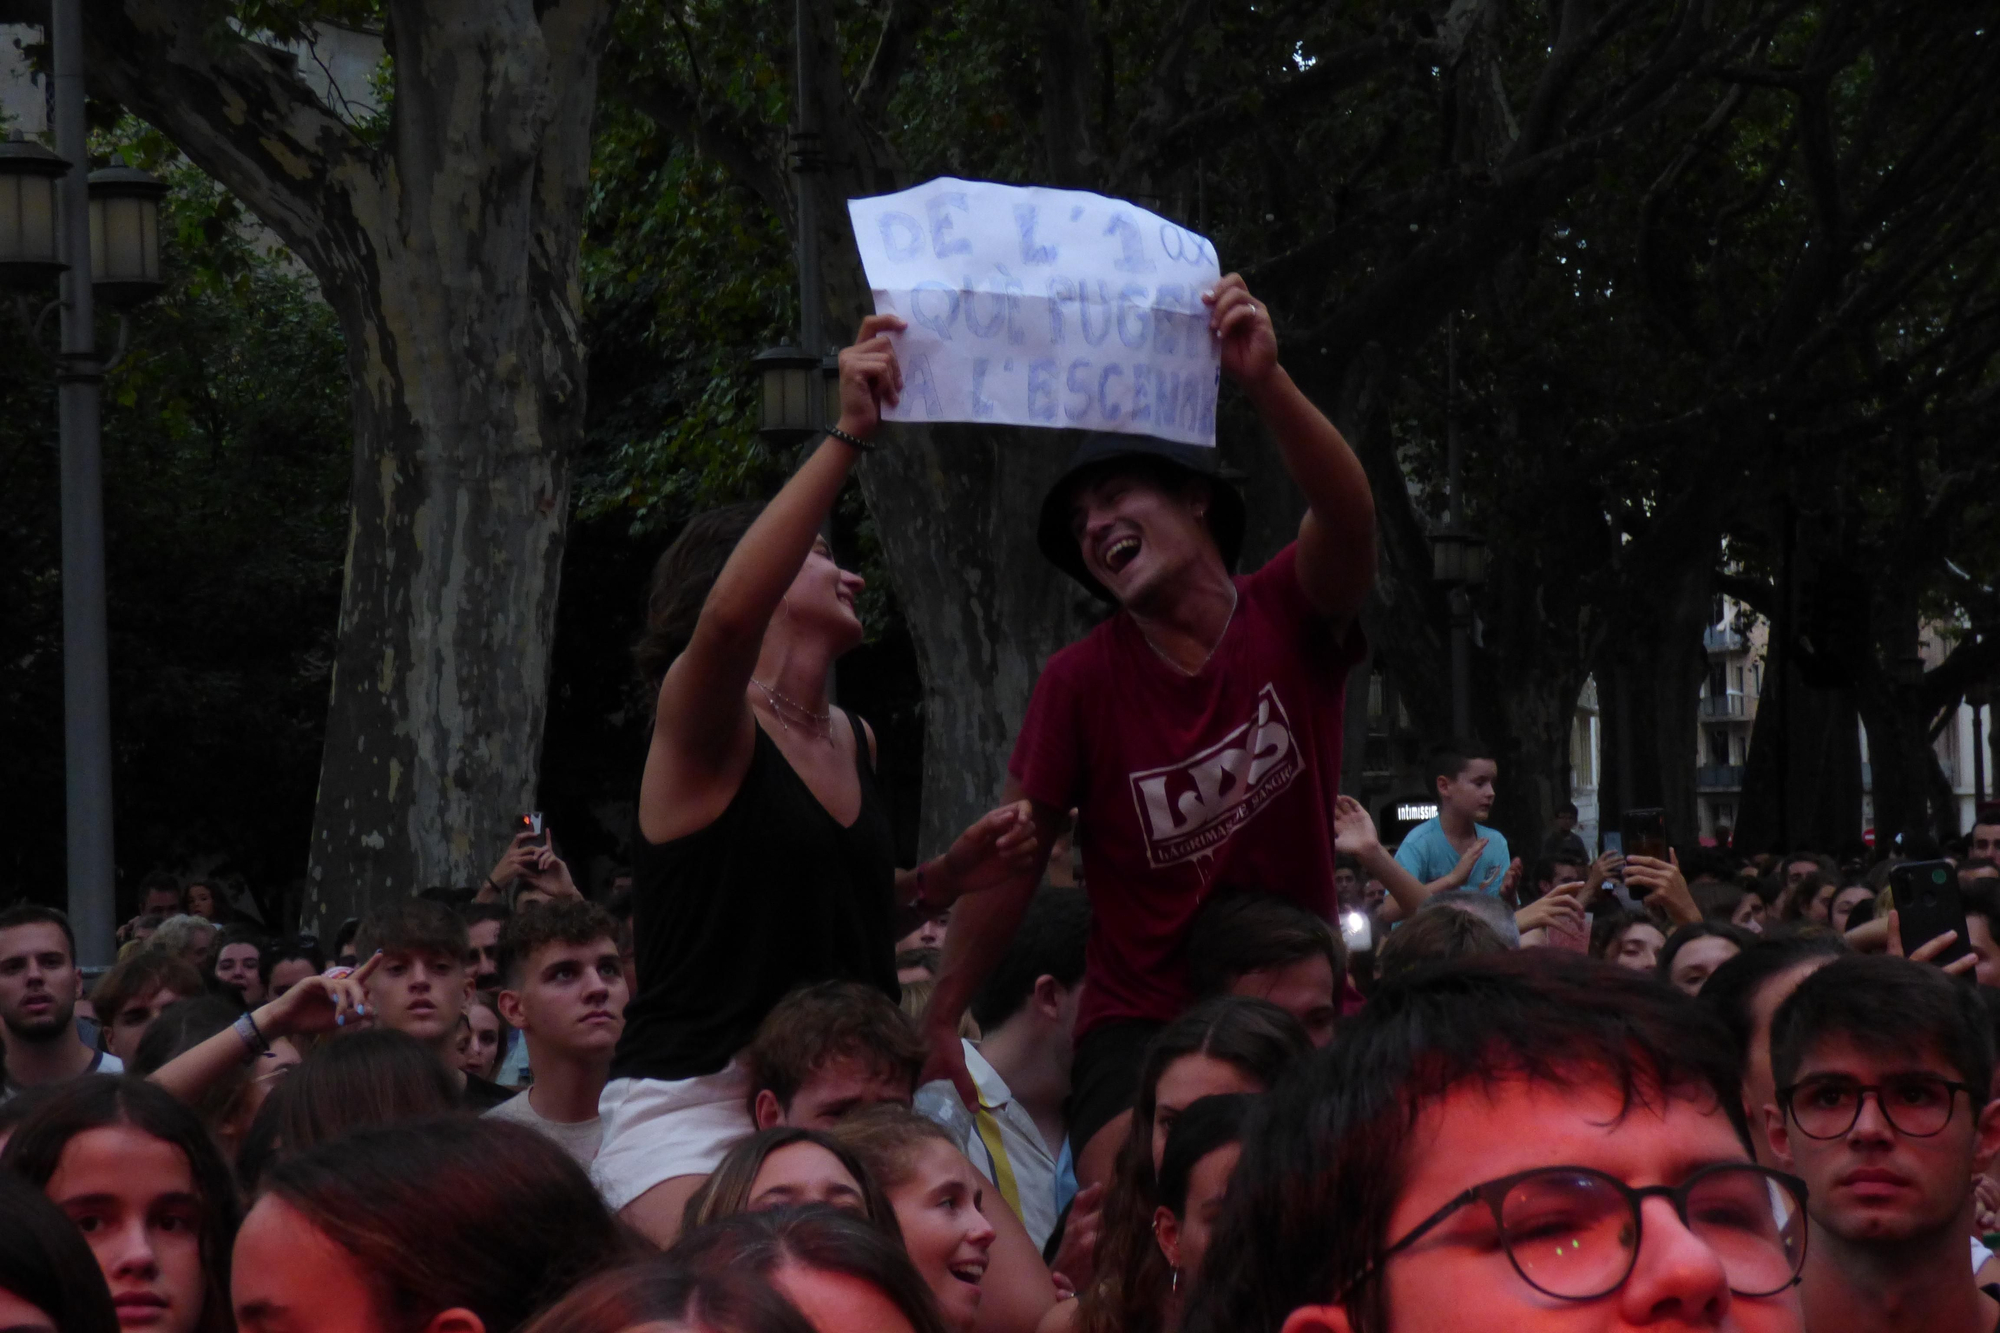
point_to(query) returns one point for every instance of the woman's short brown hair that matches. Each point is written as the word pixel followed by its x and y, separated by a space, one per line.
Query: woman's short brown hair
pixel 145 973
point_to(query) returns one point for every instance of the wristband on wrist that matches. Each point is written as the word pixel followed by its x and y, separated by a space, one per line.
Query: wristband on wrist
pixel 253 1040
pixel 846 437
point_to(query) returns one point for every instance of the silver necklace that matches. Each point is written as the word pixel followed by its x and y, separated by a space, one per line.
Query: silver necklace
pixel 819 722
pixel 1227 621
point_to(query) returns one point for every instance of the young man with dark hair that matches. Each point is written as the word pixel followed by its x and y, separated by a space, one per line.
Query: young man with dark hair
pixel 1984 840
pixel 1026 1012
pixel 1745 992
pixel 40 984
pixel 131 995
pixel 829 1048
pixel 1528 1141
pixel 562 988
pixel 160 892
pixel 236 965
pixel 1347 880
pixel 422 985
pixel 1564 861
pixel 1256 945
pixel 159 897
pixel 1883 1067
pixel 1196 731
pixel 483 924
pixel 1461 775
pixel 1800 864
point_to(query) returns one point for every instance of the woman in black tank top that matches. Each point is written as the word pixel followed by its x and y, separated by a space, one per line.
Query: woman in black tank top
pixel 764 859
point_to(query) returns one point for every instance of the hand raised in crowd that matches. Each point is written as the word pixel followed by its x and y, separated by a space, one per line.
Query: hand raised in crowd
pixel 1608 866
pixel 319 1004
pixel 1000 845
pixel 1511 881
pixel 1075 1263
pixel 1353 830
pixel 1554 908
pixel 1930 949
pixel 870 377
pixel 1985 1203
pixel 518 860
pixel 1664 886
pixel 1241 326
pixel 550 874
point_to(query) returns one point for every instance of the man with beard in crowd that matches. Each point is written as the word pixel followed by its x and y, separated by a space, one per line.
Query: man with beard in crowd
pixel 39 988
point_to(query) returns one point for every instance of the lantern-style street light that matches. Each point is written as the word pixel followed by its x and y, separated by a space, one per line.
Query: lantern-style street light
pixel 1458 559
pixel 29 254
pixel 790 383
pixel 125 235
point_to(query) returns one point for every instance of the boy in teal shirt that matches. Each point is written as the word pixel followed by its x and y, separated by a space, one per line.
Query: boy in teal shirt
pixel 1462 775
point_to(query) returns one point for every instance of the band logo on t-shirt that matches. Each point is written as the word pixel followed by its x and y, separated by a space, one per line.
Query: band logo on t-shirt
pixel 1191 807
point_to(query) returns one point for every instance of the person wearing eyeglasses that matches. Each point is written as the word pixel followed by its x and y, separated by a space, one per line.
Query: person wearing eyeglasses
pixel 1883 1069
pixel 1530 1140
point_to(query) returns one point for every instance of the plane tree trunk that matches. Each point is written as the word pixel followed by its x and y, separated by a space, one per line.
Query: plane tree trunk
pixel 447 244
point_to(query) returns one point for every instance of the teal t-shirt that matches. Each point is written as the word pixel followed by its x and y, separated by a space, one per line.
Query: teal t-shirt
pixel 1427 854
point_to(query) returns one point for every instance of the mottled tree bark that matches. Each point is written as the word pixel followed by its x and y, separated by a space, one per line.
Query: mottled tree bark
pixel 449 250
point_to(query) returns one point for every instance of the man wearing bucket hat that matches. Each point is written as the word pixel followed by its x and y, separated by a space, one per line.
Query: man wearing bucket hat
pixel 1197 731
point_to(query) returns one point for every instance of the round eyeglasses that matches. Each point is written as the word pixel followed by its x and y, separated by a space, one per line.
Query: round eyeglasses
pixel 1573 1232
pixel 1916 1105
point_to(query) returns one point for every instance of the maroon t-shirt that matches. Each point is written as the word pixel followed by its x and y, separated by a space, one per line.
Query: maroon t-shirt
pixel 1186 784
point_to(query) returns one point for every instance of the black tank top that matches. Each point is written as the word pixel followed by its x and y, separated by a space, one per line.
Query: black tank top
pixel 773 895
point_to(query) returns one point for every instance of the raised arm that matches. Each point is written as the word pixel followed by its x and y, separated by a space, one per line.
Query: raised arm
pixel 702 723
pixel 1354 834
pixel 1336 556
pixel 317 1004
pixel 982 927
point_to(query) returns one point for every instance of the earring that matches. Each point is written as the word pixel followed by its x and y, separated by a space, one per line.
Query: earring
pixel 1177 1281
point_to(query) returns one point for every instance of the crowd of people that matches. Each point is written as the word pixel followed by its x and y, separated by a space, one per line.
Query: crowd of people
pixel 1170 1040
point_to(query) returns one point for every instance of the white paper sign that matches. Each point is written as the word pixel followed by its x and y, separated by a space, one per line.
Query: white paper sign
pixel 1038 307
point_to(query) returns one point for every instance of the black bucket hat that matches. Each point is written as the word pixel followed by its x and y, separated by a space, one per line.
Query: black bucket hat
pixel 1097 453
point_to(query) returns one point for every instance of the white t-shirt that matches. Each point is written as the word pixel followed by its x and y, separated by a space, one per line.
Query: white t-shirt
pixel 579 1140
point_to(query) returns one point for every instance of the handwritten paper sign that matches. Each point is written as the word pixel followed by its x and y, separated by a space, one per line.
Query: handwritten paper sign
pixel 1039 307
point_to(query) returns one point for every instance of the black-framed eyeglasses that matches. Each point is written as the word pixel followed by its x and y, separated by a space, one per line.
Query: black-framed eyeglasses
pixel 1573 1232
pixel 1916 1105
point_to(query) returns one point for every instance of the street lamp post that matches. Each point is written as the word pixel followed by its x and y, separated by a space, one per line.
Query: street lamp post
pixel 1458 559
pixel 57 221
pixel 86 657
pixel 796 382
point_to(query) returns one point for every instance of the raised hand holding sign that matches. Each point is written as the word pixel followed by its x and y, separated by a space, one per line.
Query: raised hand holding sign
pixel 1027 306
